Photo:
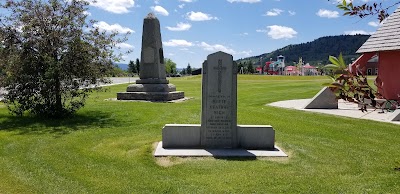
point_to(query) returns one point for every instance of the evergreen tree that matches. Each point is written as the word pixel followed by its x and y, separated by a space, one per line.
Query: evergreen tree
pixel 189 69
pixel 250 68
pixel 137 66
pixel 132 67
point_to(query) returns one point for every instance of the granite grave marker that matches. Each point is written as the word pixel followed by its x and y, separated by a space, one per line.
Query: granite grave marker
pixel 218 129
pixel 218 120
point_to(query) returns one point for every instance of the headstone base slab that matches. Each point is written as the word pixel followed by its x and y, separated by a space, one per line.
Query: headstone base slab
pixel 151 96
pixel 152 81
pixel 256 136
pixel 151 88
pixel 185 136
pixel 165 152
pixel 181 135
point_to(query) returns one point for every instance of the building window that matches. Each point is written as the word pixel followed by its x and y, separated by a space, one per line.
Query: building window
pixel 369 71
pixel 376 71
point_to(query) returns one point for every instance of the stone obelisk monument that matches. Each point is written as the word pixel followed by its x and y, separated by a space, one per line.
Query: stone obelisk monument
pixel 152 85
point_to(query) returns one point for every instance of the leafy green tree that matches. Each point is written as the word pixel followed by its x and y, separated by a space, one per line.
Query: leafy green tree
pixel 137 66
pixel 132 67
pixel 51 55
pixel 189 69
pixel 170 67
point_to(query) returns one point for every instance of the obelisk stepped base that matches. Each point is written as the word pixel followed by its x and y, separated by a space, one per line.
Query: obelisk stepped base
pixel 152 85
pixel 151 96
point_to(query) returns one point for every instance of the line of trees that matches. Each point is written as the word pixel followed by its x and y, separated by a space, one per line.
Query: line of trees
pixel 246 67
pixel 187 70
pixel 134 68
pixel 170 68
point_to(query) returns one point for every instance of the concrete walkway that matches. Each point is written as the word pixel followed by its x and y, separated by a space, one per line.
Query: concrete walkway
pixel 346 109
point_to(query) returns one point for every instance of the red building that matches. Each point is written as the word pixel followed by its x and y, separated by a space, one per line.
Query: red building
pixel 385 44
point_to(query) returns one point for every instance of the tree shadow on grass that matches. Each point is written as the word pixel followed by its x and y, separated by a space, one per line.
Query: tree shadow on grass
pixel 27 125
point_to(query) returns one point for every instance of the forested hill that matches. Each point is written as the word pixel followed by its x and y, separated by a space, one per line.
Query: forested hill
pixel 317 51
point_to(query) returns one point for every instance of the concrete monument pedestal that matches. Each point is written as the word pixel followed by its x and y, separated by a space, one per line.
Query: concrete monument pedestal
pixel 152 85
pixel 218 134
pixel 324 99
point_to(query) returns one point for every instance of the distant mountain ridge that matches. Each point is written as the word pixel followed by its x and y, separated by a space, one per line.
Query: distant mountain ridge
pixel 315 52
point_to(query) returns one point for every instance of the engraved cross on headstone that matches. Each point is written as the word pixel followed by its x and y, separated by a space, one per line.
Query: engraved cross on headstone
pixel 219 68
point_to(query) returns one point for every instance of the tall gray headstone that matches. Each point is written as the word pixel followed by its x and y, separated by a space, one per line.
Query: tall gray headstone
pixel 219 91
pixel 152 85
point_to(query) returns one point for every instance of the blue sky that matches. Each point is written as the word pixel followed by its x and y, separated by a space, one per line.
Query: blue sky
pixel 192 29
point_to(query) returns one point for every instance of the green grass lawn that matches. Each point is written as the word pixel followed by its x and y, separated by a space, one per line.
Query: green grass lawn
pixel 107 147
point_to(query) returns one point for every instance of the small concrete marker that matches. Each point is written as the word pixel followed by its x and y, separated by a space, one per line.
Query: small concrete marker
pixel 325 99
pixel 395 116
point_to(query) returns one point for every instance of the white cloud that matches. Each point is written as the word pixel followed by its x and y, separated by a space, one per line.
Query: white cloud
pixel 160 10
pixel 180 27
pixel 199 16
pixel 273 12
pixel 187 1
pixel 347 1
pixel 181 6
pixel 355 32
pixel 292 13
pixel 373 24
pixel 376 23
pixel 327 13
pixel 114 6
pixel 178 43
pixel 87 13
pixel 244 34
pixel 124 45
pixel 279 32
pixel 104 26
pixel 244 1
pixel 216 47
pixel 246 53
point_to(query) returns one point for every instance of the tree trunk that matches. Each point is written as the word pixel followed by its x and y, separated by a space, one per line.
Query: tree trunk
pixel 58 104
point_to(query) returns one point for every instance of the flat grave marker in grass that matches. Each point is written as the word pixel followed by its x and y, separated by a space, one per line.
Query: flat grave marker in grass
pixel 218 135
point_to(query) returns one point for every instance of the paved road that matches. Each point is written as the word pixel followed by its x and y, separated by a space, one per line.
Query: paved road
pixel 115 81
pixel 122 80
